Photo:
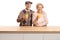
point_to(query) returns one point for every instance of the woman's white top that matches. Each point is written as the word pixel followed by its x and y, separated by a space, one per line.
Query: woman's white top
pixel 41 21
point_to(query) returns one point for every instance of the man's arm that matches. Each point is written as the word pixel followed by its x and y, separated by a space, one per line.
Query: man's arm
pixel 20 17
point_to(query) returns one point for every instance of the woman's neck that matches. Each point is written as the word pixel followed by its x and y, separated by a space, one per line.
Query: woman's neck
pixel 39 11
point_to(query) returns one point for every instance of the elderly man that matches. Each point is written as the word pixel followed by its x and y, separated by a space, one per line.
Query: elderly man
pixel 25 16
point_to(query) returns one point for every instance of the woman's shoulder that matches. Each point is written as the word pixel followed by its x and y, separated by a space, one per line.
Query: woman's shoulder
pixel 43 12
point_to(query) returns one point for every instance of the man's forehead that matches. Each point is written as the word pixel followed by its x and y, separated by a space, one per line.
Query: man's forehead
pixel 28 2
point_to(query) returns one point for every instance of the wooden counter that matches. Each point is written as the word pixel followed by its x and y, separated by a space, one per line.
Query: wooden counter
pixel 29 29
pixel 29 33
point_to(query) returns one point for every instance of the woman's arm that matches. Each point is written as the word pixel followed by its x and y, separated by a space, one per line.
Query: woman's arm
pixel 45 22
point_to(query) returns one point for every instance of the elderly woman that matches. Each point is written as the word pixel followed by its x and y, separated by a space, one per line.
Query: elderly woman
pixel 40 17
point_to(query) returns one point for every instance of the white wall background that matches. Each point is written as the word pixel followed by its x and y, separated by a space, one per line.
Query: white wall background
pixel 9 10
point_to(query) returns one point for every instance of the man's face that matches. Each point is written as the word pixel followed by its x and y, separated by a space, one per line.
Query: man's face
pixel 28 6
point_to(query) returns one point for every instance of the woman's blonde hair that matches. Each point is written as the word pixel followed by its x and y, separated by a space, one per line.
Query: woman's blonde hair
pixel 39 4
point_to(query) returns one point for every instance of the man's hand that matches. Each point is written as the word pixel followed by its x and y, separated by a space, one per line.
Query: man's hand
pixel 19 19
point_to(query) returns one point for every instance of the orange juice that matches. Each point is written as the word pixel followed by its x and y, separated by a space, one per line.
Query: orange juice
pixel 26 15
pixel 38 15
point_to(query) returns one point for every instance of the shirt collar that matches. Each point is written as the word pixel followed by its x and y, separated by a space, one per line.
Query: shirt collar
pixel 27 10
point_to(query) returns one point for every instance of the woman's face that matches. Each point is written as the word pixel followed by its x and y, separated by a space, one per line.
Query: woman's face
pixel 39 7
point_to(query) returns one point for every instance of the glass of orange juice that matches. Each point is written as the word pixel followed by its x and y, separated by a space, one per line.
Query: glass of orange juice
pixel 38 16
pixel 26 15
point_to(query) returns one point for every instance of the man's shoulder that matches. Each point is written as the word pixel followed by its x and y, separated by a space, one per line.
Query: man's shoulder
pixel 32 11
pixel 24 11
